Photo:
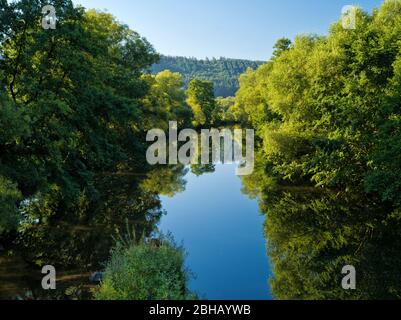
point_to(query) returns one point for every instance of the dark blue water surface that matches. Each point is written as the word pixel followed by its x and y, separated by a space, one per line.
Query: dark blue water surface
pixel 222 231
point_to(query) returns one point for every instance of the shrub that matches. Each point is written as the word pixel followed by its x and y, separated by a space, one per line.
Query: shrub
pixel 148 270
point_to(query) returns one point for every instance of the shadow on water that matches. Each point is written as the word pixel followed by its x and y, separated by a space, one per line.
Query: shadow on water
pixel 311 233
pixel 77 241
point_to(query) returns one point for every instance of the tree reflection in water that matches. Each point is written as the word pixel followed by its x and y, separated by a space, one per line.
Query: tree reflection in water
pixel 77 238
pixel 312 233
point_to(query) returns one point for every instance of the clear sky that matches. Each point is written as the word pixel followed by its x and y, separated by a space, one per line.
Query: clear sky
pixel 230 28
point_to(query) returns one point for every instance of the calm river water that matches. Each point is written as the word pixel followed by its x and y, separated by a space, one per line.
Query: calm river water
pixel 222 232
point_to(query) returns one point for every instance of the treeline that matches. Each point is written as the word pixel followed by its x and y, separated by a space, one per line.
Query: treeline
pixel 76 104
pixel 223 72
pixel 75 107
pixel 328 116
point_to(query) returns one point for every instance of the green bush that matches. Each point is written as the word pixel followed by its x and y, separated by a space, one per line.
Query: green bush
pixel 149 270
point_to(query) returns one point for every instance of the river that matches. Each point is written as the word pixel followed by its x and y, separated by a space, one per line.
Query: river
pixel 222 232
pixel 220 228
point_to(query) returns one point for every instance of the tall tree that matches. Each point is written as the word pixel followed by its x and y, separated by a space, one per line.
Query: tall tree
pixel 201 99
pixel 165 101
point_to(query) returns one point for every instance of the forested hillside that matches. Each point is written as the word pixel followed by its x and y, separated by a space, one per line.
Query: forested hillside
pixel 223 72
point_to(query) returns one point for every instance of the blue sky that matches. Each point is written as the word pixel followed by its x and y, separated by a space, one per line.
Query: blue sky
pixel 231 28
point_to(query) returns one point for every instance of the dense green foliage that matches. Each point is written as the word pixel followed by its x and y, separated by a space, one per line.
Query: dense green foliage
pixel 145 271
pixel 222 112
pixel 328 115
pixel 208 111
pixel 75 106
pixel 78 91
pixel 201 100
pixel 165 101
pixel 223 72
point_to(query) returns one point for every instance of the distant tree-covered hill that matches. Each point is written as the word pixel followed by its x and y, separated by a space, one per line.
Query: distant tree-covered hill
pixel 223 72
